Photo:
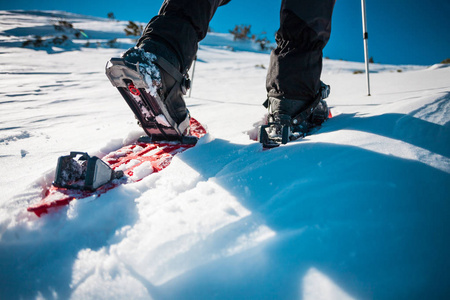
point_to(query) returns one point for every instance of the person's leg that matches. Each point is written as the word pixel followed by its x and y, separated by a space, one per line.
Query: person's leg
pixel 293 79
pixel 170 43
pixel 180 25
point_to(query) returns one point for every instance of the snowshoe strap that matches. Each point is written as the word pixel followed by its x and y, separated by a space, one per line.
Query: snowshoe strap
pixel 183 79
pixel 324 90
pixel 308 111
pixel 305 113
pixel 184 125
pixel 183 83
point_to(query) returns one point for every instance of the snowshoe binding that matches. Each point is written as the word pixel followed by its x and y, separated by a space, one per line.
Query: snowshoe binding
pixel 282 128
pixel 149 79
pixel 83 172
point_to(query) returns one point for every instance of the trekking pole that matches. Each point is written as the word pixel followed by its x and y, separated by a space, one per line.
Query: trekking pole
pixel 192 80
pixel 366 47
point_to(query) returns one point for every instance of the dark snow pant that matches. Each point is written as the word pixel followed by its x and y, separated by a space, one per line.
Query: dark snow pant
pixel 296 63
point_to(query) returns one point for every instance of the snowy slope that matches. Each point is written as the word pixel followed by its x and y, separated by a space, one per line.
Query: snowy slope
pixel 358 211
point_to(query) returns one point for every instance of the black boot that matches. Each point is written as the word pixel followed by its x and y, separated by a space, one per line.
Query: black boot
pixel 171 84
pixel 292 119
pixel 149 78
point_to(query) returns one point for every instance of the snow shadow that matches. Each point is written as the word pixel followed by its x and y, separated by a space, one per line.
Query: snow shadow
pixel 49 30
pixel 37 261
pixel 374 225
pixel 48 34
pixel 406 128
pixel 52 14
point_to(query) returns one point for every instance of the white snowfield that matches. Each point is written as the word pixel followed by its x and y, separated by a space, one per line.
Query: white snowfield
pixel 360 210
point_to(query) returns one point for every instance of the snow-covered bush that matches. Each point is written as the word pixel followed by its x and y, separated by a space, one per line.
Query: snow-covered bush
pixel 133 29
pixel 243 32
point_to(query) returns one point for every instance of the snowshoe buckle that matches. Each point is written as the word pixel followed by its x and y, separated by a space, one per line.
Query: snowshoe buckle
pixel 80 171
pixel 270 142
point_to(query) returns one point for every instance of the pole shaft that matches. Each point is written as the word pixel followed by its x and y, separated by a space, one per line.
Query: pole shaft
pixel 193 73
pixel 366 46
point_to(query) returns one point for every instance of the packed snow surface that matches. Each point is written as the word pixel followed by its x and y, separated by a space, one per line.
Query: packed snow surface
pixel 359 210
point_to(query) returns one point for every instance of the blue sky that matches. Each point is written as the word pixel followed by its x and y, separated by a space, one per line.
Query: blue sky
pixel 400 31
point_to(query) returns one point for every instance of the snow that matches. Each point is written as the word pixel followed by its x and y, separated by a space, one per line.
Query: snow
pixel 357 211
